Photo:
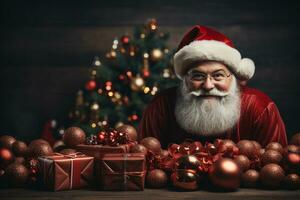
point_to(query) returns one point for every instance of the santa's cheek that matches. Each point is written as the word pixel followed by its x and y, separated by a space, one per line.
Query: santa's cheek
pixel 223 87
pixel 195 86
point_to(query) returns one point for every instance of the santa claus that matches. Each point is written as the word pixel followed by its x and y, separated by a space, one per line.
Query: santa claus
pixel 211 101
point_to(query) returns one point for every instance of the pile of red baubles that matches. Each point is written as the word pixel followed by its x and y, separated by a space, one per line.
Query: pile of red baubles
pixel 223 165
pixel 191 165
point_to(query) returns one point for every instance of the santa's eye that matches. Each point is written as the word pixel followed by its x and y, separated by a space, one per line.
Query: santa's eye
pixel 198 76
pixel 219 76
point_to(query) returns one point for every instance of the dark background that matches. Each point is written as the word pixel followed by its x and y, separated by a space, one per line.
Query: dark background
pixel 47 48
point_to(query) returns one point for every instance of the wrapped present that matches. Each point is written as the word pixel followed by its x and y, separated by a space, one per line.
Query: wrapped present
pixel 98 150
pixel 66 172
pixel 121 171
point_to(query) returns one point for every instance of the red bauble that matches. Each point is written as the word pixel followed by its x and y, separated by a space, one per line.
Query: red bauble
pixel 152 144
pixel 39 149
pixel 250 178
pixel 125 39
pixel 167 165
pixel 261 152
pixel 19 160
pixel 91 85
pixel 257 145
pixel 16 174
pixel 146 73
pixel 58 146
pixel 156 178
pixel 247 148
pixel 275 146
pixel 271 175
pixel 38 142
pixel 6 141
pixel 295 139
pixel 225 174
pixel 74 136
pixel 243 162
pixel 164 153
pixel 185 180
pixel 20 148
pixel 129 130
pixel 6 156
pixel 196 147
pixel 68 151
pixel 138 148
pixel 174 151
pixel 292 182
pixel 293 159
pixel 226 144
pixel 271 156
pixel 190 162
pixel 212 149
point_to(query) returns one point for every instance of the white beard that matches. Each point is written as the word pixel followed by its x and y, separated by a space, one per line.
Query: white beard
pixel 207 117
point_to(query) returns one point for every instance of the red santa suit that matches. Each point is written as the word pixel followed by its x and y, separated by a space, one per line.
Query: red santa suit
pixel 259 120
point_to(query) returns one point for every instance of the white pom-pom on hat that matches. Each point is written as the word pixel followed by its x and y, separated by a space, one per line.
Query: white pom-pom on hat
pixel 246 69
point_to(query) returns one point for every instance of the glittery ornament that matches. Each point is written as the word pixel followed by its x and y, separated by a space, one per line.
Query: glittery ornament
pixel 225 174
pixel 156 178
pixel 6 141
pixel 74 136
pixel 20 148
pixel 271 176
pixel 151 144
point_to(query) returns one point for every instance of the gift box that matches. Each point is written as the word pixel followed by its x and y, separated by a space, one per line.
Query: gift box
pixel 121 171
pixel 66 172
pixel 98 150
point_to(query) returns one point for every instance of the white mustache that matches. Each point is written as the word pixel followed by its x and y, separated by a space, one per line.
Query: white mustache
pixel 213 92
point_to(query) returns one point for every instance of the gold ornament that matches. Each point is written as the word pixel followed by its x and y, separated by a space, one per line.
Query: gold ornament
pixel 96 62
pixel 95 106
pixel 152 25
pixel 94 112
pixel 79 99
pixel 145 70
pixel 118 124
pixel 143 35
pixel 166 73
pixel 115 43
pixel 154 90
pixel 146 90
pixel 156 54
pixel 112 54
pixel 137 83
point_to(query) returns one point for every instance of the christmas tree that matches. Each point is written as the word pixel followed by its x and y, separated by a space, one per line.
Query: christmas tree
pixel 124 82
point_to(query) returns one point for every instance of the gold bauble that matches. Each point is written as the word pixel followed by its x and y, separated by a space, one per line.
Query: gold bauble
pixel 152 25
pixel 137 83
pixel 156 54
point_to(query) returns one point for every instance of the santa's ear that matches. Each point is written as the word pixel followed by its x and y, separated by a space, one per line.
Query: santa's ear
pixel 242 83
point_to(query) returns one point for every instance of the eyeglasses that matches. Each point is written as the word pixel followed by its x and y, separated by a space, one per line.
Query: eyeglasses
pixel 217 76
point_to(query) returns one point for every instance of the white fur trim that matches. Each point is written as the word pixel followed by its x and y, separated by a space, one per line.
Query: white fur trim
pixel 213 50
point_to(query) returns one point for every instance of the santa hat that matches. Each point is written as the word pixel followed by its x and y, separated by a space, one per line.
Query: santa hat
pixel 203 43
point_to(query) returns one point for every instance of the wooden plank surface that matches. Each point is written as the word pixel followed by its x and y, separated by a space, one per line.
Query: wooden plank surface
pixel 163 194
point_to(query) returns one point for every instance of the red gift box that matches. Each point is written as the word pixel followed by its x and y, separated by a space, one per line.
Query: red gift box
pixel 121 171
pixel 66 172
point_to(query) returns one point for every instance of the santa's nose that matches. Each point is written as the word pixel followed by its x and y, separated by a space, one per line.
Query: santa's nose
pixel 208 84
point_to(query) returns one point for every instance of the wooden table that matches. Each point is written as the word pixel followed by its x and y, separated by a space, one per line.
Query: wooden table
pixel 242 194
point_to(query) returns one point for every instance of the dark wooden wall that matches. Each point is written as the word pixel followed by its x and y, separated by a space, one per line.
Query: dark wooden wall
pixel 47 47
